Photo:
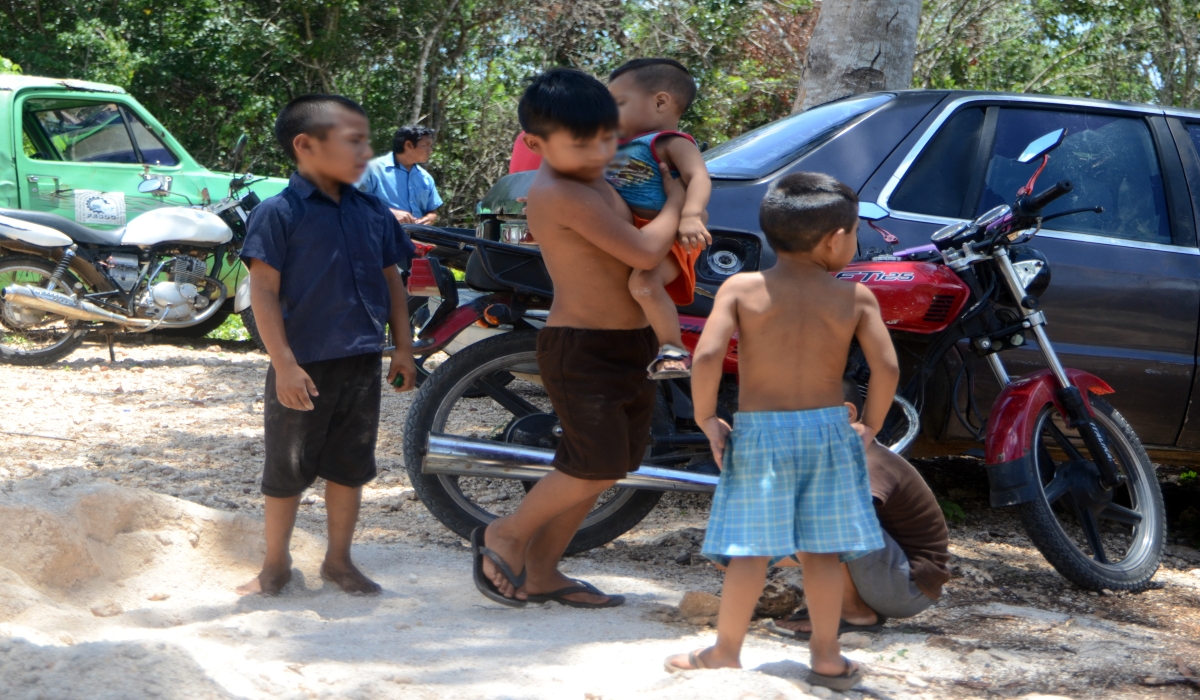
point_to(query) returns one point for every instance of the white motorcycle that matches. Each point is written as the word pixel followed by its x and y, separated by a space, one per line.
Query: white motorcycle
pixel 60 280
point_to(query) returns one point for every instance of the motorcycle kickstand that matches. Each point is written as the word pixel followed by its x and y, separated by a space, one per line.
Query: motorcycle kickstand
pixel 112 355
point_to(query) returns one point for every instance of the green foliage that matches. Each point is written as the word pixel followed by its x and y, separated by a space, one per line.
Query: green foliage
pixel 953 512
pixel 213 69
pixel 231 329
pixel 1189 478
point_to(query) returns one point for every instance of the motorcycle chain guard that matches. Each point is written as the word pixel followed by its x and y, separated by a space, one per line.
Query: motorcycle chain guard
pixel 1010 427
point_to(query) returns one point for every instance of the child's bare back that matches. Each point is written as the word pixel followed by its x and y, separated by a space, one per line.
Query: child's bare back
pixel 795 325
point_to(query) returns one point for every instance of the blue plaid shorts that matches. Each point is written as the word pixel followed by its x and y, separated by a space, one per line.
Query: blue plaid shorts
pixel 793 481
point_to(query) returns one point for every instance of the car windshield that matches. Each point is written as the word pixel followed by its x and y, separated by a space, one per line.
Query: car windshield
pixel 768 148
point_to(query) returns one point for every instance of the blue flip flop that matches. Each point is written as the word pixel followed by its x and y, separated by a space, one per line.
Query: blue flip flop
pixel 483 583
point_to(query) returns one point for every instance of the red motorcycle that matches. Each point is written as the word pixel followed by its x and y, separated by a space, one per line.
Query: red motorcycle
pixel 481 430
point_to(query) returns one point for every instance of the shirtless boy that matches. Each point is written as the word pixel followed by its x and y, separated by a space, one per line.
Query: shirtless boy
pixel 794 478
pixel 593 352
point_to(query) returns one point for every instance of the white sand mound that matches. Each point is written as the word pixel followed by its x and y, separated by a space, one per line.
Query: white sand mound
pixel 740 684
pixel 69 534
pixel 103 671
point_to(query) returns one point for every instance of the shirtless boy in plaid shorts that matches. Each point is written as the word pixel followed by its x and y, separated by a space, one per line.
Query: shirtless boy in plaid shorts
pixel 794 476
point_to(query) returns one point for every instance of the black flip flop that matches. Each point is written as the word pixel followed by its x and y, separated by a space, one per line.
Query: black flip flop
pixel 559 596
pixel 851 677
pixel 483 583
pixel 843 626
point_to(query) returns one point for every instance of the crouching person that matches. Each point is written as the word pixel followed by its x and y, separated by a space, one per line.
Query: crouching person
pixel 324 285
pixel 906 576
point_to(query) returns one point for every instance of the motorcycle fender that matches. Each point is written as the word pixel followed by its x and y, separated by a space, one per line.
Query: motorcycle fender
pixel 1010 432
pixel 241 298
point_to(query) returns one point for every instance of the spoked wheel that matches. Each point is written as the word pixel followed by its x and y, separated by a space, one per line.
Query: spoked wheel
pixel 1096 538
pixel 492 389
pixel 30 336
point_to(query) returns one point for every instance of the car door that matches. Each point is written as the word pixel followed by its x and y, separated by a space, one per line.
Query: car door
pixel 1125 285
pixel 83 158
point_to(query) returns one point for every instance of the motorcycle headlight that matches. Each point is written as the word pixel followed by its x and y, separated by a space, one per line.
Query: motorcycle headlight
pixel 1033 269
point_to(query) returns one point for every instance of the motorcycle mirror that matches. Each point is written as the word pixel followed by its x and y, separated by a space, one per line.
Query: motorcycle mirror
pixel 238 149
pixel 152 186
pixel 1042 145
pixel 871 211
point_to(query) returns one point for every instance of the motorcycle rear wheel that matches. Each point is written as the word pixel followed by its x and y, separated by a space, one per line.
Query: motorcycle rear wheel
pixel 35 337
pixel 449 401
pixel 1077 526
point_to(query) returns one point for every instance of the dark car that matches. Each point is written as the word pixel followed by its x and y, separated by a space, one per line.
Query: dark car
pixel 1124 302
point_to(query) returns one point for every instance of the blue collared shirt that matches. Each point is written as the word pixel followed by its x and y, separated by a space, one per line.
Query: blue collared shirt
pixel 411 190
pixel 330 256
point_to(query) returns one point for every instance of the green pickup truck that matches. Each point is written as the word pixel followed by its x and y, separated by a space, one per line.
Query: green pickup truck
pixel 80 149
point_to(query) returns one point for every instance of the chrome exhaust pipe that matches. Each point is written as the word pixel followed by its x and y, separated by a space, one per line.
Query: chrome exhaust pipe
pixel 460 456
pixel 63 305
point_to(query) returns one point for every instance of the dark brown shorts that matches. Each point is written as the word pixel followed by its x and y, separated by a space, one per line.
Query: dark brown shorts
pixel 597 381
pixel 335 440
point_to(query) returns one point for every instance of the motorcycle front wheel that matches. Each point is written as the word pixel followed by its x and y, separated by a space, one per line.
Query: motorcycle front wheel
pixel 492 389
pixel 1095 538
pixel 29 336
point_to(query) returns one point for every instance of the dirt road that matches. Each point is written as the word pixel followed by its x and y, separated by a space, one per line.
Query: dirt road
pixel 136 512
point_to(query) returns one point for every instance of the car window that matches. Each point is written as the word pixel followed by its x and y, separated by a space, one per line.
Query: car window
pixel 153 150
pixel 764 150
pixel 937 182
pixel 94 133
pixel 1110 160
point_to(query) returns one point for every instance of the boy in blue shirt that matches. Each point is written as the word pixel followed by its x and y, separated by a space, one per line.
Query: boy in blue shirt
pixel 399 180
pixel 324 282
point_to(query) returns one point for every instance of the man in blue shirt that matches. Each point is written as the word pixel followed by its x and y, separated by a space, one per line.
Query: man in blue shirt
pixel 398 179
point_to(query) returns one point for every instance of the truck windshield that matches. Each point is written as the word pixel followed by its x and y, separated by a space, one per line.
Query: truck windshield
pixel 95 132
pixel 764 150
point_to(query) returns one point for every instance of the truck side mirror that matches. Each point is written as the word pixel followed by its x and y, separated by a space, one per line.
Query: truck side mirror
pixel 155 186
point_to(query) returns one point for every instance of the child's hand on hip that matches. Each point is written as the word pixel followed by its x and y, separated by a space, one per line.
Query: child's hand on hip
pixel 403 365
pixel 717 432
pixel 693 235
pixel 294 387
pixel 866 432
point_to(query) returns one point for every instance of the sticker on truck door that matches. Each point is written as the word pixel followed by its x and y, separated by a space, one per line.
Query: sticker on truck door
pixel 95 207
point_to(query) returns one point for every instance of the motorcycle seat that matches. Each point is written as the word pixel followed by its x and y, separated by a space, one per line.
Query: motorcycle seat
pixel 77 232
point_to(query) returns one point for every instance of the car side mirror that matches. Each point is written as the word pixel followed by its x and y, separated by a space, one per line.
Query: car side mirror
pixel 1042 145
pixel 155 186
pixel 872 211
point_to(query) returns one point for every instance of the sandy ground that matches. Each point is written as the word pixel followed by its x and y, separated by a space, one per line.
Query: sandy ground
pixel 125 541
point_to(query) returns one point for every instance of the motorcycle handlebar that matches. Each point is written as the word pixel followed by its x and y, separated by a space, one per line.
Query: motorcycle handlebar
pixel 1040 200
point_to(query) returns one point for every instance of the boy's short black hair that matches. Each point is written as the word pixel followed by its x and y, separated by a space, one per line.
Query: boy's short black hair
pixel 661 75
pixel 853 395
pixel 409 134
pixel 565 98
pixel 802 208
pixel 308 114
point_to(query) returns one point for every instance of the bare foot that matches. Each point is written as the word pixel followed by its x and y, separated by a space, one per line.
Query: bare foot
pixel 270 581
pixel 346 576
pixel 511 554
pixel 560 581
pixel 703 659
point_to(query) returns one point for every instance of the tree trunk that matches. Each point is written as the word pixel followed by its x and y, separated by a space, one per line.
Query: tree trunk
pixel 859 46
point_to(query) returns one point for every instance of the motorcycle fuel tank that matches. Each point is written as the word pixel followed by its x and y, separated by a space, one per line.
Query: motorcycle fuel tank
pixel 917 297
pixel 176 225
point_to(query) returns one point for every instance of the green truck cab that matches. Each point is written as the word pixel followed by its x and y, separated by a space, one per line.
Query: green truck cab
pixel 80 149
